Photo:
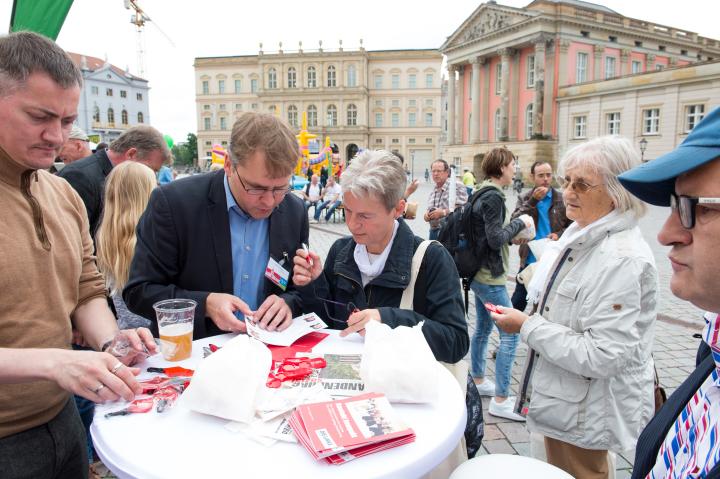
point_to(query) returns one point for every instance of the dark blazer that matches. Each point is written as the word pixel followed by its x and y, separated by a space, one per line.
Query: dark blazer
pixel 436 300
pixel 183 248
pixel 654 433
pixel 87 177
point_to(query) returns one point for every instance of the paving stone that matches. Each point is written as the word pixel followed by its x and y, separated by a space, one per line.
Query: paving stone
pixel 493 432
pixel 499 446
pixel 514 431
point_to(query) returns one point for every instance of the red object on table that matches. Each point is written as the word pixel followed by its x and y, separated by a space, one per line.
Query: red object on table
pixel 140 405
pixel 173 372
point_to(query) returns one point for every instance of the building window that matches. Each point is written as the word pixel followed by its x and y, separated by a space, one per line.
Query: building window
pixel 272 109
pixel 497 125
pixel 428 102
pixel 94 90
pixel 272 78
pixel 206 123
pixel 428 119
pixel 378 103
pixel 253 85
pixel 205 87
pixel 311 77
pixel 693 114
pixel 529 121
pixel 351 115
pixel 412 80
pixel 395 82
pixel 412 102
pixel 378 141
pixel 395 141
pixel 108 92
pixel 138 96
pixel 378 81
pixel 221 86
pixel 531 71
pixel 395 119
pixel 581 67
pixel 223 143
pixel 223 106
pixel 613 123
pixel 659 66
pixel 580 129
pixel 651 121
pixel 312 115
pixel 141 117
pixel 254 106
pixel 123 94
pixel 238 86
pixel 378 119
pixel 124 117
pixel 238 106
pixel 206 107
pixel 292 77
pixel 96 114
pixel 412 119
pixel 332 115
pixel 429 80
pixel 411 141
pixel 636 66
pixel 111 115
pixel 331 78
pixel 208 143
pixel 223 123
pixel 609 67
pixel 292 115
pixel 352 76
pixel 395 103
pixel 428 141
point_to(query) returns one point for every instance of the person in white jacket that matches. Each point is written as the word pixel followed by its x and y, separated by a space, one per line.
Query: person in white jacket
pixel 591 333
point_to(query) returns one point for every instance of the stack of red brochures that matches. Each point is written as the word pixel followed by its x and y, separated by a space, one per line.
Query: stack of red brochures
pixel 340 431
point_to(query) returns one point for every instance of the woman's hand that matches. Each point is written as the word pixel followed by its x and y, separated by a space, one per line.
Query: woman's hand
pixel 307 267
pixel 357 321
pixel 510 320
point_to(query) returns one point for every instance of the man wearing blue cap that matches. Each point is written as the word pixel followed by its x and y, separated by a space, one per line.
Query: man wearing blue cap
pixel 682 439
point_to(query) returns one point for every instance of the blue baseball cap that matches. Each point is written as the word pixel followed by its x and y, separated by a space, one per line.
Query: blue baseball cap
pixel 654 181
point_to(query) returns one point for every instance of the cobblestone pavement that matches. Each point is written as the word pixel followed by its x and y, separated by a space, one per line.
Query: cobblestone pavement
pixel 674 348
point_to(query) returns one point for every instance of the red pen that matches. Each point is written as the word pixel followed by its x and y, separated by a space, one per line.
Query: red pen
pixel 307 254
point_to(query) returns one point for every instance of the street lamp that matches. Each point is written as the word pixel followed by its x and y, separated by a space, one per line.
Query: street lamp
pixel 643 147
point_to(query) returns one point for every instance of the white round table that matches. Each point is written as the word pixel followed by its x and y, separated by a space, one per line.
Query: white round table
pixel 181 443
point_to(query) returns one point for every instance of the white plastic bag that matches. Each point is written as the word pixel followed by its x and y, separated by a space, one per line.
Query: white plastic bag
pixel 399 363
pixel 226 384
pixel 527 233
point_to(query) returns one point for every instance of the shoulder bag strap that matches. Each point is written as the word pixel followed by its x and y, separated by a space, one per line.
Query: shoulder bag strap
pixel 409 294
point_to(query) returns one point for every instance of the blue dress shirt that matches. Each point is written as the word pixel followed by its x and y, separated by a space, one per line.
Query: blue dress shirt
pixel 250 245
pixel 542 228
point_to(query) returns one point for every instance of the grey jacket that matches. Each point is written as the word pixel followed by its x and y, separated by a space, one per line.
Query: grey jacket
pixel 593 378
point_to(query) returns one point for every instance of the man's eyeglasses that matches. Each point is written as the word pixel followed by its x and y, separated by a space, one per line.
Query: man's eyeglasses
pixel 276 192
pixel 578 186
pixel 685 205
pixel 348 308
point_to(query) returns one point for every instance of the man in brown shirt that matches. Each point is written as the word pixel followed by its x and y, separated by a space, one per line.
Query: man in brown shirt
pixel 48 278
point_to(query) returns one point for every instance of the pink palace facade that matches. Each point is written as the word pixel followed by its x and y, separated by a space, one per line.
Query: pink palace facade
pixel 506 64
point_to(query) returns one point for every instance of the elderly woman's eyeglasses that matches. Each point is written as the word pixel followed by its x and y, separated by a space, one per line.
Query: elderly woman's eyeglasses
pixel 685 206
pixel 276 192
pixel 578 186
pixel 348 308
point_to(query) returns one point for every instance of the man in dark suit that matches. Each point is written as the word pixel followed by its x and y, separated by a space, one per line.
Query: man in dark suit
pixel 143 144
pixel 681 440
pixel 212 237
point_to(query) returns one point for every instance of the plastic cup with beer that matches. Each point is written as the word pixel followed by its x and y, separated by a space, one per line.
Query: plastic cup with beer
pixel 175 322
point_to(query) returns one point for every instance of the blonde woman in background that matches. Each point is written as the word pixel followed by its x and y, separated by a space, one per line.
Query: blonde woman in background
pixel 127 191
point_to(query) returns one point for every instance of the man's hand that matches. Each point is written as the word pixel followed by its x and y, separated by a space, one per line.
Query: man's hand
pixel 553 237
pixel 306 271
pixel 357 321
pixel 221 309
pixel 132 346
pixel 435 214
pixel 273 314
pixel 99 377
pixel 519 241
pixel 510 320
pixel 411 188
pixel 539 192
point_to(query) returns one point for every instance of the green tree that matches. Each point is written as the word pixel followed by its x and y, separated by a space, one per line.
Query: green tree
pixel 191 146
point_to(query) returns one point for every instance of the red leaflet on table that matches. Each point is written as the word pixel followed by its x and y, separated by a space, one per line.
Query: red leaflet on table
pixel 359 425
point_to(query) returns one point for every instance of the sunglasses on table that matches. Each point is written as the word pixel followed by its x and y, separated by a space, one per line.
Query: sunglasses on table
pixel 577 186
pixel 685 205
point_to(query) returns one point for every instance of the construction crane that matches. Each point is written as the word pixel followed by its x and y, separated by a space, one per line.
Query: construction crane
pixel 138 18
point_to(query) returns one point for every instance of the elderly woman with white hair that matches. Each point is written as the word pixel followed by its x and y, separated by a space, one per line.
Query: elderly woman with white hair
pixel 365 274
pixel 591 332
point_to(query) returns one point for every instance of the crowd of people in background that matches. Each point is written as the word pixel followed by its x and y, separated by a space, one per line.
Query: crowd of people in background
pixel 103 235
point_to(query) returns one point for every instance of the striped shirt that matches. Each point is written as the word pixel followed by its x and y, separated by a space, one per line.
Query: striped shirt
pixel 692 446
pixel 440 197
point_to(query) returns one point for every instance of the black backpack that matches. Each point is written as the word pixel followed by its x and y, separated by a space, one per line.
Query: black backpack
pixel 456 235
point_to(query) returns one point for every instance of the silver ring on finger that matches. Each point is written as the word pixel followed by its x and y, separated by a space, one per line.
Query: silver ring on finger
pixel 116 368
pixel 99 388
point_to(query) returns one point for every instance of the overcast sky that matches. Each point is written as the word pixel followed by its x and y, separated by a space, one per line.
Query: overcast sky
pixel 102 28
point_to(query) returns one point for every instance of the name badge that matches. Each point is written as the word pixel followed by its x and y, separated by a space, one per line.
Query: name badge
pixel 277 274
